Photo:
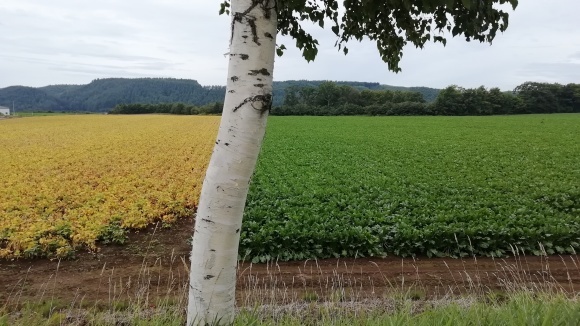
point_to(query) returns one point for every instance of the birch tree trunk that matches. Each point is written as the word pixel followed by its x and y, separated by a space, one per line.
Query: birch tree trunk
pixel 214 255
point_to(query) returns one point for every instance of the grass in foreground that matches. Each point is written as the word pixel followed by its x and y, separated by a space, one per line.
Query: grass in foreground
pixel 519 296
pixel 523 308
pixel 515 309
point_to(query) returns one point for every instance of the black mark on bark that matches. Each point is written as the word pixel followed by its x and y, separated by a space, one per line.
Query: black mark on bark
pixel 212 250
pixel 268 35
pixel 266 10
pixel 207 277
pixel 237 230
pixel 208 221
pixel 251 21
pixel 231 91
pixel 234 78
pixel 254 29
pixel 259 85
pixel 262 71
pixel 243 56
pixel 227 144
pixel 238 18
pixel 265 99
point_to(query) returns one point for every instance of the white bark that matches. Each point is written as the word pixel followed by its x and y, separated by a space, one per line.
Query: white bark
pixel 219 216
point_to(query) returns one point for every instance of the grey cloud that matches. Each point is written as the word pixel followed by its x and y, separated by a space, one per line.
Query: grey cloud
pixel 62 41
pixel 153 66
pixel 127 61
pixel 553 72
pixel 58 64
pixel 100 72
pixel 139 60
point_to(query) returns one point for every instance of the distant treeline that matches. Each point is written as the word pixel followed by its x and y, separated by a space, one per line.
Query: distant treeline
pixel 528 97
pixel 292 97
pixel 102 95
pixel 171 108
pixel 332 99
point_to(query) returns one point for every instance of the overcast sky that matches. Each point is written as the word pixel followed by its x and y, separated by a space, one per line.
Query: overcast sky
pixel 44 42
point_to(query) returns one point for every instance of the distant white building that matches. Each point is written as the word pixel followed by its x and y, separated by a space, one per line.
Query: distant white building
pixel 4 110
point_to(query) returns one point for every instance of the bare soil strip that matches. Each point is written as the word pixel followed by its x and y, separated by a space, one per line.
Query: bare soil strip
pixel 154 264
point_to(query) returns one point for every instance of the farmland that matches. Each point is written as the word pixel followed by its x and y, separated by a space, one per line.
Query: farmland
pixel 437 186
pixel 324 187
pixel 70 181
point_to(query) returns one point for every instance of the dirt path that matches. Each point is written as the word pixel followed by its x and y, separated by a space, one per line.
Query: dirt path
pixel 155 263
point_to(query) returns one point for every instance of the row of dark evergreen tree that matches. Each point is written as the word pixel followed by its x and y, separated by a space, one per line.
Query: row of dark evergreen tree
pixel 171 108
pixel 530 97
pixel 101 95
pixel 329 98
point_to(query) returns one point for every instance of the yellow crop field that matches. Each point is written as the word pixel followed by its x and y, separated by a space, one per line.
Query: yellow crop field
pixel 68 181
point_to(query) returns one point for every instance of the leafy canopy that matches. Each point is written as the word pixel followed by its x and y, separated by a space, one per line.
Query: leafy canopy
pixel 390 23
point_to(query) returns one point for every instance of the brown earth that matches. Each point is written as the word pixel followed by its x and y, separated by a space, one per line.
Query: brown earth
pixel 154 264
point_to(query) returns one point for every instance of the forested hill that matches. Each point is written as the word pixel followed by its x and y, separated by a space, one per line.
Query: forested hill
pixel 25 98
pixel 429 94
pixel 104 94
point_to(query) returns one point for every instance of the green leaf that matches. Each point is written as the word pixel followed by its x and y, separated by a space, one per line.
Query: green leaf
pixel 280 49
pixel 309 53
pixel 223 8
pixel 514 4
pixel 335 29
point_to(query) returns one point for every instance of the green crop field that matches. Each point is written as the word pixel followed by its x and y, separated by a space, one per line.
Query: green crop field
pixel 437 186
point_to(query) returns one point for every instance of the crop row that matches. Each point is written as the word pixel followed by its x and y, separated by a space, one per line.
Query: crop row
pixel 70 181
pixel 323 187
pixel 436 186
